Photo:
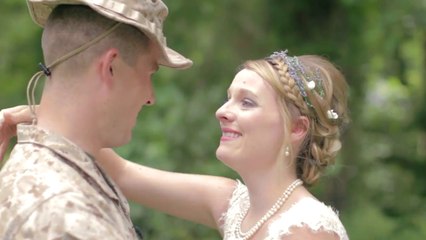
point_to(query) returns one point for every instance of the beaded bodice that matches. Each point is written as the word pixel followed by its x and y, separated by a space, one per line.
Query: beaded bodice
pixel 308 212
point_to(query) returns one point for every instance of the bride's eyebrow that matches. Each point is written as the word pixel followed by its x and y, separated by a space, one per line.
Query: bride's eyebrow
pixel 242 91
pixel 247 93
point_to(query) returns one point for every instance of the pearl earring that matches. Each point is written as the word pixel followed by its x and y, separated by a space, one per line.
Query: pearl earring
pixel 287 151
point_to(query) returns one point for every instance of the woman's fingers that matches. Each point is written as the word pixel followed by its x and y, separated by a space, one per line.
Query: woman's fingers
pixel 9 118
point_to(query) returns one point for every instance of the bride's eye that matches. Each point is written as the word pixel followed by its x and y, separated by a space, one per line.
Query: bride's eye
pixel 246 102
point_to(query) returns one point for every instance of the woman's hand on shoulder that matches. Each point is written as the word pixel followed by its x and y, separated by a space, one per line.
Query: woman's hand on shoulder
pixel 9 118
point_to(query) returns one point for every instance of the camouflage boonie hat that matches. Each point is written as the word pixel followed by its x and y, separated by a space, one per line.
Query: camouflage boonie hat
pixel 146 15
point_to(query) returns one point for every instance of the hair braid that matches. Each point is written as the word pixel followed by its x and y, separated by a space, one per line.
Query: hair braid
pixel 291 90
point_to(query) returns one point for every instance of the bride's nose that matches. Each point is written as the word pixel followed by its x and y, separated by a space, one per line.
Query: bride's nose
pixel 224 113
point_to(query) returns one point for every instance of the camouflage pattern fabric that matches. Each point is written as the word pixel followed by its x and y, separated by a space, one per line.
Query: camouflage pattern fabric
pixel 51 189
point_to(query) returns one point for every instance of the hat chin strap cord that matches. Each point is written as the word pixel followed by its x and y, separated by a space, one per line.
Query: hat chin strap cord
pixel 46 70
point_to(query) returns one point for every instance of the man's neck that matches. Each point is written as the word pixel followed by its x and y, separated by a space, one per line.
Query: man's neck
pixel 73 121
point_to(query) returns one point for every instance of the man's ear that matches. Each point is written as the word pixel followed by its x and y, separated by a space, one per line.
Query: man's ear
pixel 106 65
pixel 300 128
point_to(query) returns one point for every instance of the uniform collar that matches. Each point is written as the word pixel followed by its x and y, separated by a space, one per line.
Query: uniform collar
pixel 68 150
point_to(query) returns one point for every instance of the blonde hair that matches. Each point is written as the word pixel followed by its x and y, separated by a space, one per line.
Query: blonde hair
pixel 70 26
pixel 322 141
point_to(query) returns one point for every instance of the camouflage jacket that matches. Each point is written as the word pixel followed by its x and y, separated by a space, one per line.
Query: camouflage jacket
pixel 51 189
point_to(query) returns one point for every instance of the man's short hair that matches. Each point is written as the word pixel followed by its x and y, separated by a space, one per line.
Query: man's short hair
pixel 70 26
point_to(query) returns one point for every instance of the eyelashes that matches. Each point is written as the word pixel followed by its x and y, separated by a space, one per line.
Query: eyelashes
pixel 244 102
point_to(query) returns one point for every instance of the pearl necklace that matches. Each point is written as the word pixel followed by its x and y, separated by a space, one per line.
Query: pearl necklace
pixel 278 204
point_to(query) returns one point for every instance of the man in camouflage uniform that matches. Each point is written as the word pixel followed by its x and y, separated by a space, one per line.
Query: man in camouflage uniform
pixel 99 55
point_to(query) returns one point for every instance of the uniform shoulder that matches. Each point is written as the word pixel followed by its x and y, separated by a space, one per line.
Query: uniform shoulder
pixel 65 215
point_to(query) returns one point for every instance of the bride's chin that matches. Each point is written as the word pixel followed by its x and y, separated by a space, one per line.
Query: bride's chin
pixel 224 157
pixel 220 154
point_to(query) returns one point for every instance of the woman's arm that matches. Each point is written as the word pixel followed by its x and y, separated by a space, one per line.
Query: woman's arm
pixel 197 198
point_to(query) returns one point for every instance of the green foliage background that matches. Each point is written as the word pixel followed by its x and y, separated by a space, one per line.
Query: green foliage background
pixel 379 182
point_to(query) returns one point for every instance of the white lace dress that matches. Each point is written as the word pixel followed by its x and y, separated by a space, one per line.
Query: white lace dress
pixel 308 212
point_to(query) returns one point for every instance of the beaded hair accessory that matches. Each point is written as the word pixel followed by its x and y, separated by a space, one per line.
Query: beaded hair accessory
pixel 305 80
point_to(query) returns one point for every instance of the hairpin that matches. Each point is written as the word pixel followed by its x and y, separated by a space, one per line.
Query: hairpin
pixel 332 115
pixel 311 85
